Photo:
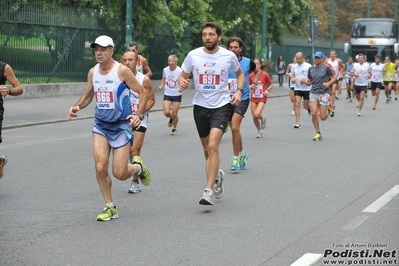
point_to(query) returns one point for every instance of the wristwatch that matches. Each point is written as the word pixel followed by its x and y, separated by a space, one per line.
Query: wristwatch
pixel 255 83
pixel 141 116
pixel 10 91
pixel 240 89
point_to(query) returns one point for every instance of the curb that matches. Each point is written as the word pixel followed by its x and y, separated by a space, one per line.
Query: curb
pixel 90 117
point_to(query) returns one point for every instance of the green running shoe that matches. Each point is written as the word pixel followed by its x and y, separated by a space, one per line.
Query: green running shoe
pixel 108 213
pixel 144 175
pixel 243 160
pixel 235 164
pixel 317 137
pixel 226 129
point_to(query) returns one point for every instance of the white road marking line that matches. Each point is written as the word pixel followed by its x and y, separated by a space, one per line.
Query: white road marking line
pixel 307 259
pixel 358 220
pixel 384 199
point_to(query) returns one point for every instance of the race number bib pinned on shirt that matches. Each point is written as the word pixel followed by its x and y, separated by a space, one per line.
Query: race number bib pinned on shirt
pixel 232 84
pixel 105 98
pixel 134 102
pixel 209 79
pixel 171 83
pixel 298 84
pixel 135 105
pixel 324 99
pixel 258 92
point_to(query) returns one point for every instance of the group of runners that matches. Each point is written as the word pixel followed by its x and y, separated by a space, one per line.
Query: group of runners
pixel 226 84
pixel 359 77
pixel 379 75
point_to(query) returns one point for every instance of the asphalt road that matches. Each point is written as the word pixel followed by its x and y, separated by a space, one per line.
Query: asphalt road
pixel 297 201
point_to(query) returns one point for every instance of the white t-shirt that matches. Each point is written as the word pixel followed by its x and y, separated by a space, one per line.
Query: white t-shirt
pixel 362 70
pixel 300 71
pixel 172 81
pixel 376 72
pixel 210 75
pixel 396 78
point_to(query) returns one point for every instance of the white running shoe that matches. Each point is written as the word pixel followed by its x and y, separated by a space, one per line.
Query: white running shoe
pixel 218 190
pixel 263 122
pixel 358 113
pixel 297 125
pixel 3 161
pixel 207 198
pixel 260 135
pixel 135 187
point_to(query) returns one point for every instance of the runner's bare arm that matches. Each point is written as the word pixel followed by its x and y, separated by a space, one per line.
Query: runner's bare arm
pixel 183 81
pixel 288 71
pixel 126 75
pixel 10 76
pixel 343 67
pixel 86 98
pixel 150 93
pixel 162 84
pixel 146 67
pixel 333 78
pixel 236 98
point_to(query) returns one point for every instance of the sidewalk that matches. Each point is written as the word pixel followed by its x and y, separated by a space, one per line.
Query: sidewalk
pixel 36 111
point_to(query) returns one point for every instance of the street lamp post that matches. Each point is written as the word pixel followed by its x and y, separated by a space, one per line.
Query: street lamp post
pixel 264 30
pixel 332 24
pixel 313 38
pixel 368 9
pixel 313 32
pixel 128 34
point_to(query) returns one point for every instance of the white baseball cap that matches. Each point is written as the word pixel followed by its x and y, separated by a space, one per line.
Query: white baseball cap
pixel 103 41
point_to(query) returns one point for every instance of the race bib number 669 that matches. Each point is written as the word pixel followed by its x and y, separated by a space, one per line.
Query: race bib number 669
pixel 105 100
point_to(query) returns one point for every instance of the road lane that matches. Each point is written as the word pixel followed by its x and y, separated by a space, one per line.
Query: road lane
pixel 293 199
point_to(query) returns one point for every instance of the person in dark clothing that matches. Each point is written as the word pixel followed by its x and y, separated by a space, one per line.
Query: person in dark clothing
pixel 6 74
pixel 280 70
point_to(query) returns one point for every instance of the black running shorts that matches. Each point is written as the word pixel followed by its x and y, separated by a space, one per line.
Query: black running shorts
pixel 206 118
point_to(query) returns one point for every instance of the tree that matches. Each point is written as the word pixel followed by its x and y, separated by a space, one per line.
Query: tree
pixel 241 18
pixel 344 19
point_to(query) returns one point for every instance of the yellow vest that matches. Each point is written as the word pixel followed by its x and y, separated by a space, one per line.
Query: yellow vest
pixel 389 72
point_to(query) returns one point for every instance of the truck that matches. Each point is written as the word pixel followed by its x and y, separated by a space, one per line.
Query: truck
pixel 371 36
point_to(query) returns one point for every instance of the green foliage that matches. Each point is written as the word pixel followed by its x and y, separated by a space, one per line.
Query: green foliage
pixel 163 26
pixel 26 42
pixel 346 12
pixel 28 59
pixel 237 17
